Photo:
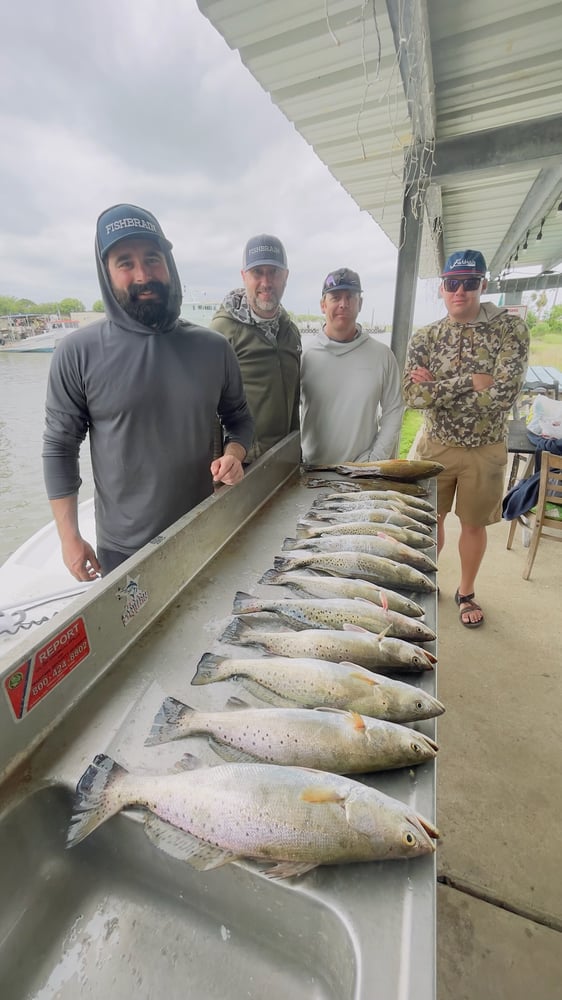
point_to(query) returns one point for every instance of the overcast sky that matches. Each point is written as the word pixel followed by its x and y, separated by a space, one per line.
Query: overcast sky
pixel 131 101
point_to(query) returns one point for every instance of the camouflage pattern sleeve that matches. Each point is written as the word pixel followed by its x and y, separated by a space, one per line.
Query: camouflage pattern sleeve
pixel 448 384
pixel 509 367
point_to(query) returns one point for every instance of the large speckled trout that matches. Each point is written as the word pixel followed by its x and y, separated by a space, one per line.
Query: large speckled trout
pixel 294 817
pixel 319 585
pixel 335 612
pixel 351 644
pixel 309 683
pixel 326 739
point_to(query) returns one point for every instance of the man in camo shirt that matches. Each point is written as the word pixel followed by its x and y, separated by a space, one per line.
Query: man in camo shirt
pixel 465 372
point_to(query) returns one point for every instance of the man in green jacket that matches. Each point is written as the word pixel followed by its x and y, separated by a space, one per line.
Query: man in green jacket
pixel 266 342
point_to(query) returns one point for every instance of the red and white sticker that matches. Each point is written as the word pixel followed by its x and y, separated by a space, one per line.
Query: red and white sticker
pixel 28 684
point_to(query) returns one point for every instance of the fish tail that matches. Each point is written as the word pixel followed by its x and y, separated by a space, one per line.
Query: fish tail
pixel 245 604
pixel 239 634
pixel 305 530
pixel 282 563
pixel 208 669
pixel 270 576
pixel 168 721
pixel 290 543
pixel 95 799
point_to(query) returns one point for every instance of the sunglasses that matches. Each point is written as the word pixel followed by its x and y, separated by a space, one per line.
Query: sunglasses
pixel 453 284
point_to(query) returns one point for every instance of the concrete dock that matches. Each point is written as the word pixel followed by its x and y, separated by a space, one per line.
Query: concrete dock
pixel 500 777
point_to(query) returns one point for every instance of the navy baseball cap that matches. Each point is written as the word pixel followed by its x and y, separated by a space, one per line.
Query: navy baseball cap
pixel 465 262
pixel 122 221
pixel 262 250
pixel 341 280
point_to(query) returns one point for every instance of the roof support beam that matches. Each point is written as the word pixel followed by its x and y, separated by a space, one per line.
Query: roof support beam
pixel 536 283
pixel 410 30
pixel 407 270
pixel 536 206
pixel 530 142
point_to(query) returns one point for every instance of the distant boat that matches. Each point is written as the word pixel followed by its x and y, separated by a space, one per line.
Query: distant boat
pixel 35 583
pixel 198 309
pixel 41 343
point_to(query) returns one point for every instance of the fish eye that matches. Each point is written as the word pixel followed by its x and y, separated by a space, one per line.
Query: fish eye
pixel 409 839
pixel 419 705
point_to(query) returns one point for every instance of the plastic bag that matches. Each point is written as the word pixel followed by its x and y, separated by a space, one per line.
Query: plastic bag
pixel 545 417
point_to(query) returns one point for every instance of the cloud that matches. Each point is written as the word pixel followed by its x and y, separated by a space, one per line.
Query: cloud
pixel 125 101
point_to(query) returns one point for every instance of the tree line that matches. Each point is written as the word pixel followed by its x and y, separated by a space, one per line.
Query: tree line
pixel 11 306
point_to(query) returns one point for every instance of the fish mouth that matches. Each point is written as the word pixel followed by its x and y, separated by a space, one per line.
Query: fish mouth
pixel 429 827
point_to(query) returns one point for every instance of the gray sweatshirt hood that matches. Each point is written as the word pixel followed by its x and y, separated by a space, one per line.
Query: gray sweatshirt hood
pixel 323 343
pixel 117 314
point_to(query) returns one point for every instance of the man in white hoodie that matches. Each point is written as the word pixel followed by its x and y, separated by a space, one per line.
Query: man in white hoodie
pixel 351 398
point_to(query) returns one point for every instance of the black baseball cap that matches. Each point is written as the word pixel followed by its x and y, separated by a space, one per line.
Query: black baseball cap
pixel 341 280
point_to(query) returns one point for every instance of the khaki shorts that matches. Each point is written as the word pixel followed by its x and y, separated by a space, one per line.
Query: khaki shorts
pixel 476 475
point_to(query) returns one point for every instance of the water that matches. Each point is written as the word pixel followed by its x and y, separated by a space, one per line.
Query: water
pixel 23 502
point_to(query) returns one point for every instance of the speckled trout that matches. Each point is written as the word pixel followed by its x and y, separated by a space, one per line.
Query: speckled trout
pixel 314 529
pixel 293 817
pixel 357 485
pixel 392 468
pixel 309 683
pixel 376 545
pixel 391 495
pixel 341 505
pixel 326 739
pixel 335 613
pixel 351 644
pixel 319 585
pixel 381 515
pixel 385 572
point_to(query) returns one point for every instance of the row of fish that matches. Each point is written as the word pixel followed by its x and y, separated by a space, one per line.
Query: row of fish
pixel 281 798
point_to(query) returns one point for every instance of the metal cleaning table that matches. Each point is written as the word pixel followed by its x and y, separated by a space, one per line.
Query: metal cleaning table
pixel 114 915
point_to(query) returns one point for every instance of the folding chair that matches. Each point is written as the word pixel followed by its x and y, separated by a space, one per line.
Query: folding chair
pixel 546 516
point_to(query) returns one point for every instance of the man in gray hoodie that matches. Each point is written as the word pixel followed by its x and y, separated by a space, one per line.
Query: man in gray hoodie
pixel 146 387
pixel 351 399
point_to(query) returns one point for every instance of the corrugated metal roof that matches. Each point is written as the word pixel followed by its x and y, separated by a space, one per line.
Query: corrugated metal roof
pixel 331 67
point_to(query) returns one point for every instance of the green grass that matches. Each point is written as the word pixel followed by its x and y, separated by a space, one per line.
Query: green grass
pixel 410 425
pixel 546 351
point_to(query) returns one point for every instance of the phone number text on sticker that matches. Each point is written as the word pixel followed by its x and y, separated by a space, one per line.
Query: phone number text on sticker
pixel 28 684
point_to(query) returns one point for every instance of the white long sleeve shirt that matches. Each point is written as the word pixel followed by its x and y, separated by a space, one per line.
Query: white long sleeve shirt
pixel 351 401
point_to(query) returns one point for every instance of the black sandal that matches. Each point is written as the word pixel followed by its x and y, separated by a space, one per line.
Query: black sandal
pixel 468 599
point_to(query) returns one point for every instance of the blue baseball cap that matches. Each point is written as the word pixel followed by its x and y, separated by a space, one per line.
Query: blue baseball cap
pixel 465 262
pixel 262 250
pixel 124 221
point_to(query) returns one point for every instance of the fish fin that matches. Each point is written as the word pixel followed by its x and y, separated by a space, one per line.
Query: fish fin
pixel 290 543
pixel 207 668
pixel 238 633
pixel 93 803
pixel 244 603
pixel 232 754
pixel 348 627
pixel 383 635
pixel 235 703
pixel 184 846
pixel 189 762
pixel 320 795
pixel 270 576
pixel 265 694
pixel 286 869
pixel 167 721
pixel 367 680
pixel 354 717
